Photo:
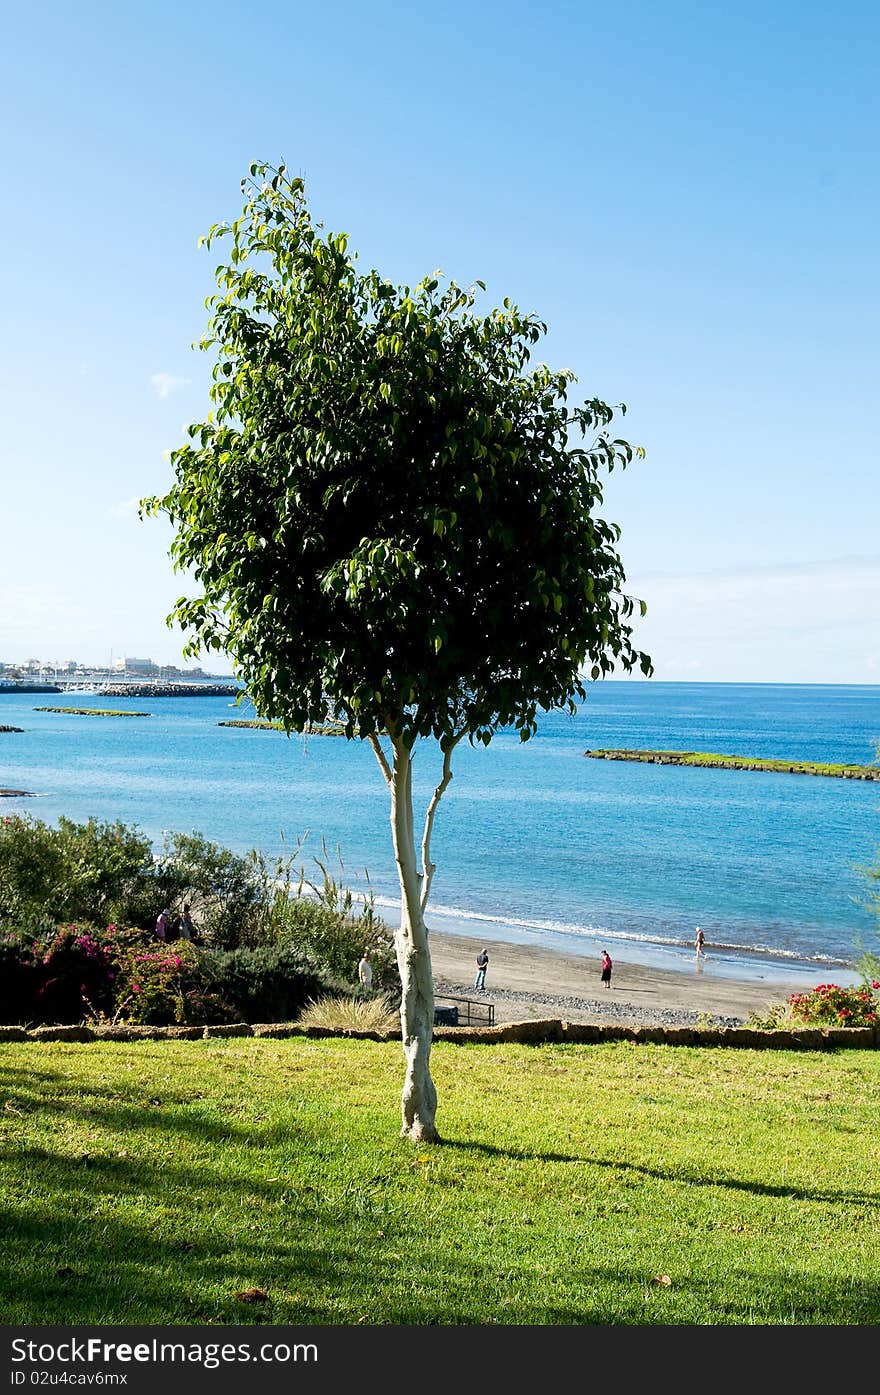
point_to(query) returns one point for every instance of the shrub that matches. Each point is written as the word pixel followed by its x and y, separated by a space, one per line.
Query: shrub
pixel 351 1014
pixel 269 946
pixel 154 980
pixel 94 873
pixel 61 974
pixel 19 977
pixel 236 898
pixel 268 984
pixel 827 1005
pixel 335 942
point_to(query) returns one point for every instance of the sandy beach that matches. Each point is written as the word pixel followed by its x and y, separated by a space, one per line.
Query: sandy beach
pixel 525 982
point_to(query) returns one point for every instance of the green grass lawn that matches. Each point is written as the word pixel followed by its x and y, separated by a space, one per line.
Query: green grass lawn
pixel 153 1182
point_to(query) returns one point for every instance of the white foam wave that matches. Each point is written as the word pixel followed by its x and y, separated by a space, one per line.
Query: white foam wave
pixel 602 932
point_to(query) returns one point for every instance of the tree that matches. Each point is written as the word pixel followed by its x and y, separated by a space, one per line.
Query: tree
pixel 390 523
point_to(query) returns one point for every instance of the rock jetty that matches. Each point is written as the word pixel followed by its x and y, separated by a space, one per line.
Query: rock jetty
pixel 169 690
pixel 711 761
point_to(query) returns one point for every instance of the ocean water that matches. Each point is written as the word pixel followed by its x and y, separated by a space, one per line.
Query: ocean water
pixel 532 841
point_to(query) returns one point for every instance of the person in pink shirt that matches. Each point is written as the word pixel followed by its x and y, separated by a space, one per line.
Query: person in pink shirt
pixel 162 925
pixel 606 968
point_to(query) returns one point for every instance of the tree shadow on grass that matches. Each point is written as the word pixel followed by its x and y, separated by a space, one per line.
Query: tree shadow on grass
pixel 168 1238
pixel 678 1174
pixel 175 1111
pixel 125 1272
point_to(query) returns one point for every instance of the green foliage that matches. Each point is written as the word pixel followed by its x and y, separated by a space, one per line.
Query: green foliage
pixel 19 976
pixel 868 966
pixel 234 896
pixel 390 515
pixel 268 941
pixel 327 926
pixel 334 940
pixel 268 984
pixel 94 872
pixel 153 984
pixel 63 973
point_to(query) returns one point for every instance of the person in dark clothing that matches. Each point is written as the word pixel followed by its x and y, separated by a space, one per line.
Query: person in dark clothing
pixel 482 966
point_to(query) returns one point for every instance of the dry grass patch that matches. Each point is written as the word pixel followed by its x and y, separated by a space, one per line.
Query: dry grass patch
pixel 351 1014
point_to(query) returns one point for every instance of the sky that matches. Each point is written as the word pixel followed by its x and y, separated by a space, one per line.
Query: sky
pixel 686 193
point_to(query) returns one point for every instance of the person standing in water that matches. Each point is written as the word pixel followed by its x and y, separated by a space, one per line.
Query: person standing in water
pixel 700 942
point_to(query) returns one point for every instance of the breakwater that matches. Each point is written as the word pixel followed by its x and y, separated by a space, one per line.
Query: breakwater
pixel 708 760
pixel 327 729
pixel 91 712
pixel 170 690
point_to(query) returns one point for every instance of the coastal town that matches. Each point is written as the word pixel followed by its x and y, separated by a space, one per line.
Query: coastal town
pixel 73 675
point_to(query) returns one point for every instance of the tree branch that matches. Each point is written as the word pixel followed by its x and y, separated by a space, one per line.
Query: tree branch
pixel 428 867
pixel 380 757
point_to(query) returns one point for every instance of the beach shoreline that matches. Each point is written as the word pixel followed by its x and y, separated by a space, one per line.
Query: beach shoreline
pixel 525 982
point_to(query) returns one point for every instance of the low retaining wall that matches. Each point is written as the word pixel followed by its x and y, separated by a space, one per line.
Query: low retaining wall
pixel 537 1033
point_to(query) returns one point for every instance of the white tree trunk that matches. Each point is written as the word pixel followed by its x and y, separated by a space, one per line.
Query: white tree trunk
pixel 419 1103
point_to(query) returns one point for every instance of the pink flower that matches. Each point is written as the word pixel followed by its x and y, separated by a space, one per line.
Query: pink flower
pixel 135 988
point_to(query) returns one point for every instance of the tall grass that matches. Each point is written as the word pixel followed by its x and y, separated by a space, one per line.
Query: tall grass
pixel 377 1014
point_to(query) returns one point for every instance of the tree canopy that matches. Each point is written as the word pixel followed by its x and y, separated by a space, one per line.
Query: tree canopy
pixel 388 512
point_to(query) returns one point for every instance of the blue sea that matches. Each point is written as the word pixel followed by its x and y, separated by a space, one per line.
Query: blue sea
pixel 533 842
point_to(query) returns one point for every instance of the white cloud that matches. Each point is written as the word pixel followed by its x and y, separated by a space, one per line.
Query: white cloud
pixel 164 384
pixel 812 623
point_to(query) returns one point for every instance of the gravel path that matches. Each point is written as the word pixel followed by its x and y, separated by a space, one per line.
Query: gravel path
pixel 604 1010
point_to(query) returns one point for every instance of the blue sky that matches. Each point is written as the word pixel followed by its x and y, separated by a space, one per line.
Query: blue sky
pixel 687 194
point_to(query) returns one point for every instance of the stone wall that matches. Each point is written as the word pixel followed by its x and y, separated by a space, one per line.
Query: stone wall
pixel 536 1033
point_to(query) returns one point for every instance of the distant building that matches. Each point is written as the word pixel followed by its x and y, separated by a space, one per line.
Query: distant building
pixel 130 665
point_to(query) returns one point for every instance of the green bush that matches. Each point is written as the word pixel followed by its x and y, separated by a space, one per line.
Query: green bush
pixel 269 984
pixel 235 898
pixel 97 873
pixel 266 941
pixel 19 978
pixel 335 942
pixel 153 983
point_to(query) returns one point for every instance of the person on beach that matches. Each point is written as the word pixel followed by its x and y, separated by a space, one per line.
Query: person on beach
pixel 365 972
pixel 162 924
pixel 606 968
pixel 482 966
pixel 700 942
